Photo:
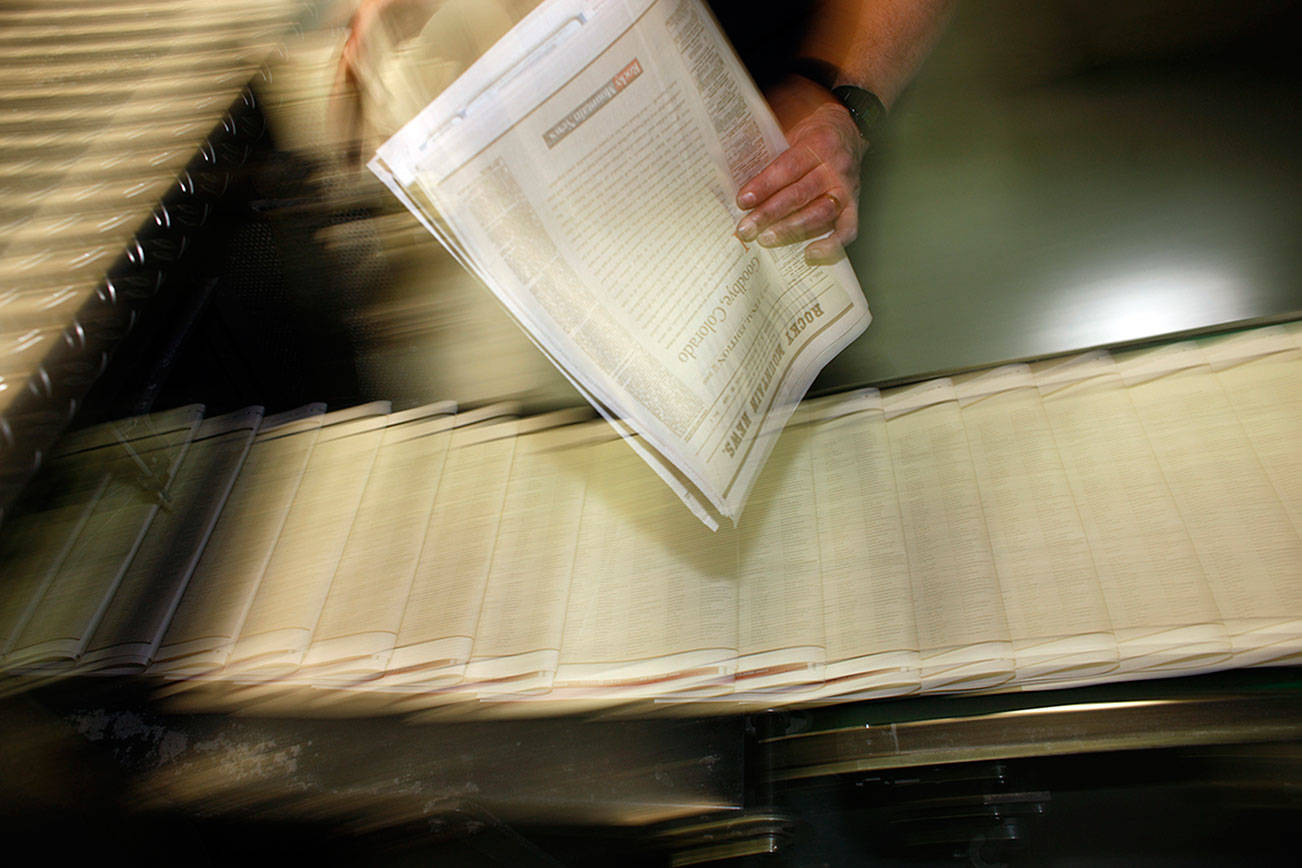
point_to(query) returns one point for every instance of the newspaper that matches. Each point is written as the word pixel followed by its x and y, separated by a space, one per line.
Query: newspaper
pixel 586 169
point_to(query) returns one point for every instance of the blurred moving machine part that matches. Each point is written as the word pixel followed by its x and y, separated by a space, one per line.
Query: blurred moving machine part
pixel 1248 150
pixel 121 124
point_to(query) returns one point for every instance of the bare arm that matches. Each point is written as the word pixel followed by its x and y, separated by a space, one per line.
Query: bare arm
pixel 877 44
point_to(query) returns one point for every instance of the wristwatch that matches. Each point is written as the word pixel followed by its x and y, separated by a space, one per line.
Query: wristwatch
pixel 865 108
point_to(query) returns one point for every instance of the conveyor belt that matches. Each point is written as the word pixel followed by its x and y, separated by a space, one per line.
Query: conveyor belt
pixel 119 123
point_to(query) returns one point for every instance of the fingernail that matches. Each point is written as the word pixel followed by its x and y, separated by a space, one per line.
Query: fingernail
pixel 768 238
pixel 821 253
pixel 746 200
pixel 747 229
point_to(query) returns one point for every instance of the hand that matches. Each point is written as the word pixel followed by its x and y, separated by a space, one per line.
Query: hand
pixel 812 188
pixel 374 25
pixel 399 19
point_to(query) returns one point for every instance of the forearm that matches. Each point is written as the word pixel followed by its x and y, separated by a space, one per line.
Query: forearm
pixel 875 44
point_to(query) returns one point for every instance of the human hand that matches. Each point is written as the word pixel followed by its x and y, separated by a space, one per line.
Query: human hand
pixel 398 20
pixel 812 188
pixel 374 28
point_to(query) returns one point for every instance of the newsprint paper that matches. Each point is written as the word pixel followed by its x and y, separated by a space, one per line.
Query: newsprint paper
pixel 586 169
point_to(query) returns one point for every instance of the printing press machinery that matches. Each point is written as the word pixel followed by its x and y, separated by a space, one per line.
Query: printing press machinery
pixel 1038 224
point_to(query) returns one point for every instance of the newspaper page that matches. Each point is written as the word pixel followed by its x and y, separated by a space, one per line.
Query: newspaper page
pixel 586 169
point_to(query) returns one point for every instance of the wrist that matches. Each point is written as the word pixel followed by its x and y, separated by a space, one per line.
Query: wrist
pixel 822 73
pixel 865 107
pixel 793 98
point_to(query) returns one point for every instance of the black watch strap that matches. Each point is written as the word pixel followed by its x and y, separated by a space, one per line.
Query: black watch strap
pixel 866 110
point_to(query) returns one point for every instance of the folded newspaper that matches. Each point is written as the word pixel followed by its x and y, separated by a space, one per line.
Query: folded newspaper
pixel 586 169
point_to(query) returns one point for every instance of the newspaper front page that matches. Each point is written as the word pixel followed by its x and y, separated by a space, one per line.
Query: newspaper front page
pixel 586 169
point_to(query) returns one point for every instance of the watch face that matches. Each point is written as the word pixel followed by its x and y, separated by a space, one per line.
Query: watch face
pixel 866 109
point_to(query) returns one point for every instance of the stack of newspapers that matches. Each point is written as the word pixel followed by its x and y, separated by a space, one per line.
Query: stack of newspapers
pixel 586 170
pixel 1104 517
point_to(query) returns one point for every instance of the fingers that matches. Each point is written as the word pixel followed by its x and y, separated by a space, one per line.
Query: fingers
pixel 792 165
pixel 345 112
pixel 816 218
pixel 824 214
pixel 810 190
pixel 806 207
pixel 825 251
pixel 835 212
pixel 788 200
